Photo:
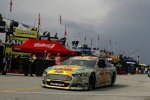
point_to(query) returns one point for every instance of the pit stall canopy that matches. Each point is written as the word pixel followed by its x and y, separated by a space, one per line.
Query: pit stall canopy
pixel 42 46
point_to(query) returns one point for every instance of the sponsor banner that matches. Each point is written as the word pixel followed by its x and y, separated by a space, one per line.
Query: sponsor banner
pixel 9 52
pixel 26 33
pixel 8 49
pixel 17 40
pixel 44 45
pixel 21 54
pixel 2 37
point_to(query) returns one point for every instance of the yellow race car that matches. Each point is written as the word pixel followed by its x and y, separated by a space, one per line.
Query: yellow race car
pixel 80 73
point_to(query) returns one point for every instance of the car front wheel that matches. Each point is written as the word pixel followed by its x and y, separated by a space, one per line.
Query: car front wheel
pixel 92 80
pixel 113 79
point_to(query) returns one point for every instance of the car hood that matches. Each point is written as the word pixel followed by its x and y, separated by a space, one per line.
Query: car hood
pixel 66 69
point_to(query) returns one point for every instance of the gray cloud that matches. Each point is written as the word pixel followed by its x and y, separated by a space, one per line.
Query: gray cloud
pixel 125 21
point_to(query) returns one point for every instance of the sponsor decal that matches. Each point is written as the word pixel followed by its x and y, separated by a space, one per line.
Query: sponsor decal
pixel 63 68
pixel 44 45
pixel 57 84
pixel 59 71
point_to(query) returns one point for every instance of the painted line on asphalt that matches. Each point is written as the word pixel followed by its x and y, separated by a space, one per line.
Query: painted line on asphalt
pixel 20 89
pixel 88 94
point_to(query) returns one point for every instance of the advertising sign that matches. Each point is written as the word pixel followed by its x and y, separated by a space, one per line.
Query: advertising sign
pixel 25 33
pixel 9 52
pixel 17 40
pixel 2 37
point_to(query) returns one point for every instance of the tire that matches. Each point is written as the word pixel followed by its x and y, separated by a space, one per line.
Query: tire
pixel 92 80
pixel 113 79
pixel 43 86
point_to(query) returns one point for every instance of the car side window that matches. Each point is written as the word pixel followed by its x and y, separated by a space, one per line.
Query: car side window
pixel 108 64
pixel 101 63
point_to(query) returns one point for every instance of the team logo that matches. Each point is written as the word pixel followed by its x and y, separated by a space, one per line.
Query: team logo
pixel 44 45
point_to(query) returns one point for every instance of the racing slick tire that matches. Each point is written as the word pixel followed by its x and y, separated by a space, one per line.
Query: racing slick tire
pixel 113 79
pixel 92 80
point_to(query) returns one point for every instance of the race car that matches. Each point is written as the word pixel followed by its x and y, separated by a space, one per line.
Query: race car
pixel 80 73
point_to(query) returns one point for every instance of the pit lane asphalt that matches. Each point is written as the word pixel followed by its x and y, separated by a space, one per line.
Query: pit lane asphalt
pixel 20 87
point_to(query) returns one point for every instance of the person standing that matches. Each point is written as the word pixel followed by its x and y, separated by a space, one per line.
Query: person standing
pixel 48 57
pixel 58 59
pixel 33 64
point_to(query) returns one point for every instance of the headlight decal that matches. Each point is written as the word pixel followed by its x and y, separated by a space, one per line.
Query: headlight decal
pixel 79 74
pixel 44 74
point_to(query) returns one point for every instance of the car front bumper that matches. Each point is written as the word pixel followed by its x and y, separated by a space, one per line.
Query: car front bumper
pixel 65 85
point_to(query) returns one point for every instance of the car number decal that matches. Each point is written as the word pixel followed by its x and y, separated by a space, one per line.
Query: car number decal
pixel 104 75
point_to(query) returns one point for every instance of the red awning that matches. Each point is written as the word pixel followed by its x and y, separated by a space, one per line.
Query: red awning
pixel 42 46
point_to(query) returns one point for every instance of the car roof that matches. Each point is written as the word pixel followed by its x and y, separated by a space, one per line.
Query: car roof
pixel 85 57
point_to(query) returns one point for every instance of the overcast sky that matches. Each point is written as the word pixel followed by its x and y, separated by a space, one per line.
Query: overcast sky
pixel 125 21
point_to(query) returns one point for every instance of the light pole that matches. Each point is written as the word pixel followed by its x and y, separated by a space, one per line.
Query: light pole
pixel 138 59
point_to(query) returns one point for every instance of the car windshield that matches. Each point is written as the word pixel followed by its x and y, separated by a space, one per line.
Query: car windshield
pixel 80 62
